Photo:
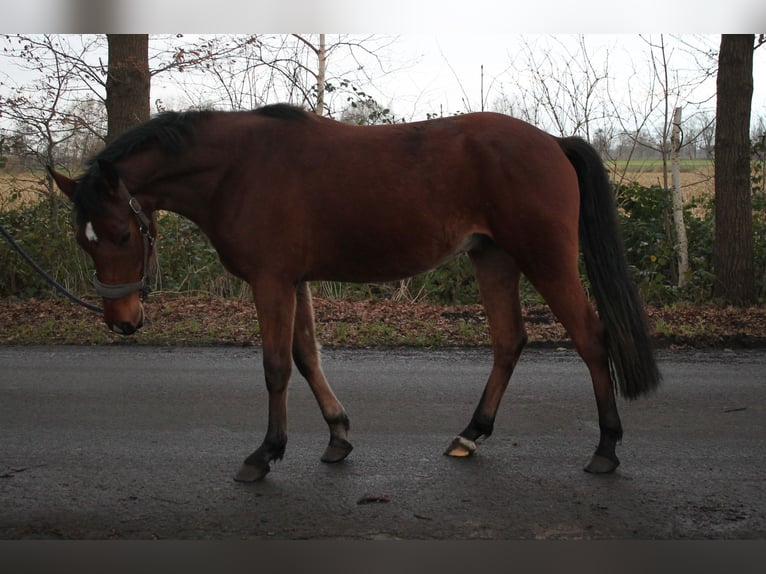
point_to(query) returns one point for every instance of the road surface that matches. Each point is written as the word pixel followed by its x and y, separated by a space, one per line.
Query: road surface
pixel 131 442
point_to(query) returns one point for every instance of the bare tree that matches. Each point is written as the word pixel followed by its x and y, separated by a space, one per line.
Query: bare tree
pixel 189 64
pixel 46 111
pixel 320 50
pixel 306 70
pixel 648 118
pixel 560 88
pixel 643 108
pixel 703 138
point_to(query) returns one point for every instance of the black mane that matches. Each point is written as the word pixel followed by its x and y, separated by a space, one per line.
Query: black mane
pixel 282 112
pixel 172 132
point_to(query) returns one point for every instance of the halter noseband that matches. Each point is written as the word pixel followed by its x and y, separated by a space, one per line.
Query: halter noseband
pixel 118 291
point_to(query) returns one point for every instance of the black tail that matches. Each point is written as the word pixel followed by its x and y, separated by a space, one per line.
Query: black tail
pixel 628 343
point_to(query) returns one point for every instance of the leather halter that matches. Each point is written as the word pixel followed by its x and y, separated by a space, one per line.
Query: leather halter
pixel 120 290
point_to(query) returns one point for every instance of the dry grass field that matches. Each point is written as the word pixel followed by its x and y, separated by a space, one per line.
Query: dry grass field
pixel 697 176
pixel 18 189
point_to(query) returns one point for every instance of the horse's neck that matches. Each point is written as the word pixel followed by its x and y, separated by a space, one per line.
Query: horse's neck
pixel 183 187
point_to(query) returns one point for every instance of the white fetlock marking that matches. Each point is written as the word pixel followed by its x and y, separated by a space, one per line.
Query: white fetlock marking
pixel 469 445
pixel 461 447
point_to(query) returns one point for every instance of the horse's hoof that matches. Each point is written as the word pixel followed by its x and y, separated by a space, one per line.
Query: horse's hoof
pixel 460 447
pixel 252 473
pixel 602 465
pixel 337 450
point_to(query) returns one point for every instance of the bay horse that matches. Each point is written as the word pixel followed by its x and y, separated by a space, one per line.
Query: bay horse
pixel 287 197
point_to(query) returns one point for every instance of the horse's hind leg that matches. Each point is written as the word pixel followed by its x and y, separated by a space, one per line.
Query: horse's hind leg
pixel 306 356
pixel 498 278
pixel 560 286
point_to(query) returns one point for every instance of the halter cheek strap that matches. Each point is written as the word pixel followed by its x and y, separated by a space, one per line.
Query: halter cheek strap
pixel 120 290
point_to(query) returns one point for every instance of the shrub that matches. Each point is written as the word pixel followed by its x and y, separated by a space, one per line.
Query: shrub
pixel 649 244
pixel 47 239
pixel 185 261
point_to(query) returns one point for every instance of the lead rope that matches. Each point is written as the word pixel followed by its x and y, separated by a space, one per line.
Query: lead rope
pixel 58 286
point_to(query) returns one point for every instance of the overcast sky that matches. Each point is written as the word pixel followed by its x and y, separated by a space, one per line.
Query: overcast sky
pixel 435 63
pixel 446 69
pixel 388 16
pixel 442 72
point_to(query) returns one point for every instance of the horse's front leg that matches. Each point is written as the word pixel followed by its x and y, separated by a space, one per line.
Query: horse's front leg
pixel 275 304
pixel 306 357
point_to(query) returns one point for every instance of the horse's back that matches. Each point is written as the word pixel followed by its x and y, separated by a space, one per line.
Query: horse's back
pixel 369 203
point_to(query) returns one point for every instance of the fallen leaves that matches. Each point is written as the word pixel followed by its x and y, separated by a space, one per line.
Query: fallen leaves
pixel 209 320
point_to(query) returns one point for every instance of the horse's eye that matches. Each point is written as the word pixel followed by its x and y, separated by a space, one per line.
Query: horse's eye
pixel 124 239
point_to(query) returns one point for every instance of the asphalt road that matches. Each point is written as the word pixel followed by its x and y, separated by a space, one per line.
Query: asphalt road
pixel 138 443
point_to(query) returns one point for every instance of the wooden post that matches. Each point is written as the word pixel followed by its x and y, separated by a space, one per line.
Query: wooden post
pixel 321 74
pixel 682 244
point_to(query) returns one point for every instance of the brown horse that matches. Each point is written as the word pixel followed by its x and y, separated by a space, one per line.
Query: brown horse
pixel 287 197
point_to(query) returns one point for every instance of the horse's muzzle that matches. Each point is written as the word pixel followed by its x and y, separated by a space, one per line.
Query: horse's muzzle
pixel 127 327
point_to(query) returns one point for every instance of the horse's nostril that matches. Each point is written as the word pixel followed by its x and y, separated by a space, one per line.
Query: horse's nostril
pixel 124 328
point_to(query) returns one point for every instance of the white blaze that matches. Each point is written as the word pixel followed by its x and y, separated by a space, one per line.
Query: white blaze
pixel 89 233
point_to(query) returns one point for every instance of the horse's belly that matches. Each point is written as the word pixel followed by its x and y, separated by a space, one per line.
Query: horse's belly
pixel 373 262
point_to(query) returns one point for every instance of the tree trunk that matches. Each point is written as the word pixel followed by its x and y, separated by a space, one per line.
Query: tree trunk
pixel 127 83
pixel 733 259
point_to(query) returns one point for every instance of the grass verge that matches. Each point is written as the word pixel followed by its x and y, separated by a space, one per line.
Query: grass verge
pixel 206 320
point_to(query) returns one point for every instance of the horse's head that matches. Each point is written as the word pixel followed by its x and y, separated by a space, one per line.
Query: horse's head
pixel 118 236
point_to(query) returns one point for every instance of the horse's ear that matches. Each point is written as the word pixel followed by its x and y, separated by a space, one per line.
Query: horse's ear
pixel 64 183
pixel 108 172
